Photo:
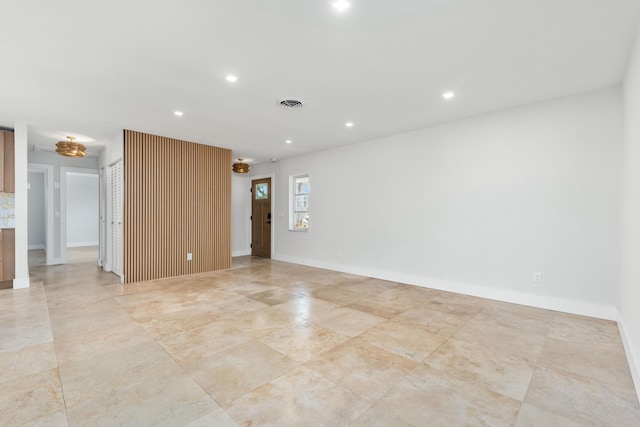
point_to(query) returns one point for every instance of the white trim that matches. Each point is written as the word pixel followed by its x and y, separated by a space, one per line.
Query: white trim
pixel 632 351
pixel 35 247
pixel 83 172
pixel 21 283
pixel 49 201
pixel 532 300
pixel 243 252
pixel 82 244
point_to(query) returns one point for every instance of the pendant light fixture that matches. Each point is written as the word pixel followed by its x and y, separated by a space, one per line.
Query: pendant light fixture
pixel 70 148
pixel 241 167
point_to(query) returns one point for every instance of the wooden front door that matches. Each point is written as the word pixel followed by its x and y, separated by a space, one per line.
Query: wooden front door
pixel 261 217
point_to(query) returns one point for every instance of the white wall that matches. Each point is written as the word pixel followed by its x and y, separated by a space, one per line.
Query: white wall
pixel 240 213
pixel 113 151
pixel 630 256
pixel 476 206
pixel 37 211
pixel 22 206
pixel 83 227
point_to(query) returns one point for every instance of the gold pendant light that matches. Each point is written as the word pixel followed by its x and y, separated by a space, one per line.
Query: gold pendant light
pixel 70 148
pixel 241 167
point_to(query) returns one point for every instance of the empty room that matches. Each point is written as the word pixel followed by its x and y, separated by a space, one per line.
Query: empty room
pixel 326 213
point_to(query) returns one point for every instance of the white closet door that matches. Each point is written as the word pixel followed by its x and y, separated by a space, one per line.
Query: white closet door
pixel 103 216
pixel 116 217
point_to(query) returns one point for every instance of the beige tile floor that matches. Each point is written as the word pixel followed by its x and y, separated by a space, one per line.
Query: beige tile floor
pixel 270 343
pixel 84 254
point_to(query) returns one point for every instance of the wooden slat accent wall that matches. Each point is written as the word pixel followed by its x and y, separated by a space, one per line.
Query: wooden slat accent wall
pixel 177 199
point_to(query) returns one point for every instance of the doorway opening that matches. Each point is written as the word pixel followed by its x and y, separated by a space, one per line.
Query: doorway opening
pixel 37 221
pixel 40 244
pixel 80 212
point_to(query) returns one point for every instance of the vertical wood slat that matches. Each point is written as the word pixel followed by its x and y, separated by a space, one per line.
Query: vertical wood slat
pixel 177 200
pixel 2 143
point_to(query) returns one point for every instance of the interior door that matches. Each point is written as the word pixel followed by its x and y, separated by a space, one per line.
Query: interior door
pixel 103 217
pixel 261 217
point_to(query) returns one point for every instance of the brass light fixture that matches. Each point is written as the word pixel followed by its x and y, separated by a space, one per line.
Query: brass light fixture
pixel 70 148
pixel 240 167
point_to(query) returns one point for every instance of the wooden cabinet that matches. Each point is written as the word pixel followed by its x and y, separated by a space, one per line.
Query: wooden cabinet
pixel 7 257
pixel 7 185
pixel 7 161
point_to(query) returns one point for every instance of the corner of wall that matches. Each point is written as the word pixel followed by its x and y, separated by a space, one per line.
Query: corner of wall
pixel 21 283
pixel 632 350
pixel 628 315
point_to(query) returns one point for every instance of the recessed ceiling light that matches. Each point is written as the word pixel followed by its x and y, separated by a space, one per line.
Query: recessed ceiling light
pixel 288 141
pixel 349 124
pixel 178 113
pixel 448 95
pixel 341 5
pixel 231 78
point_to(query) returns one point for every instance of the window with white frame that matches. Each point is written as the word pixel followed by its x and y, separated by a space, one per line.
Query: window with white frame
pixel 299 203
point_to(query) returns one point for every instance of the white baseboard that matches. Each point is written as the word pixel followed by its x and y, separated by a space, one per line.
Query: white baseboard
pixel 81 244
pixel 36 246
pixel 243 252
pixel 539 301
pixel 21 283
pixel 632 350
pixel 55 261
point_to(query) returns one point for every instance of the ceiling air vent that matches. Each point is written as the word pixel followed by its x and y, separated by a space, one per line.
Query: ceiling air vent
pixel 291 103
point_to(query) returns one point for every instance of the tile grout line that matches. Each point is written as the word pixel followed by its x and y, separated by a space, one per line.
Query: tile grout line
pixel 55 352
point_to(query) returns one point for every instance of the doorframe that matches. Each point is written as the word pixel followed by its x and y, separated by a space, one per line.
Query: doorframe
pixel 63 204
pixel 48 208
pixel 273 210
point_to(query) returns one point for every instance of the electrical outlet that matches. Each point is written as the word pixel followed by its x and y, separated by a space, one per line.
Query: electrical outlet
pixel 189 256
pixel 537 277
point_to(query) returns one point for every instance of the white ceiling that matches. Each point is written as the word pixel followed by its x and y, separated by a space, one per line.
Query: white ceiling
pixel 93 68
